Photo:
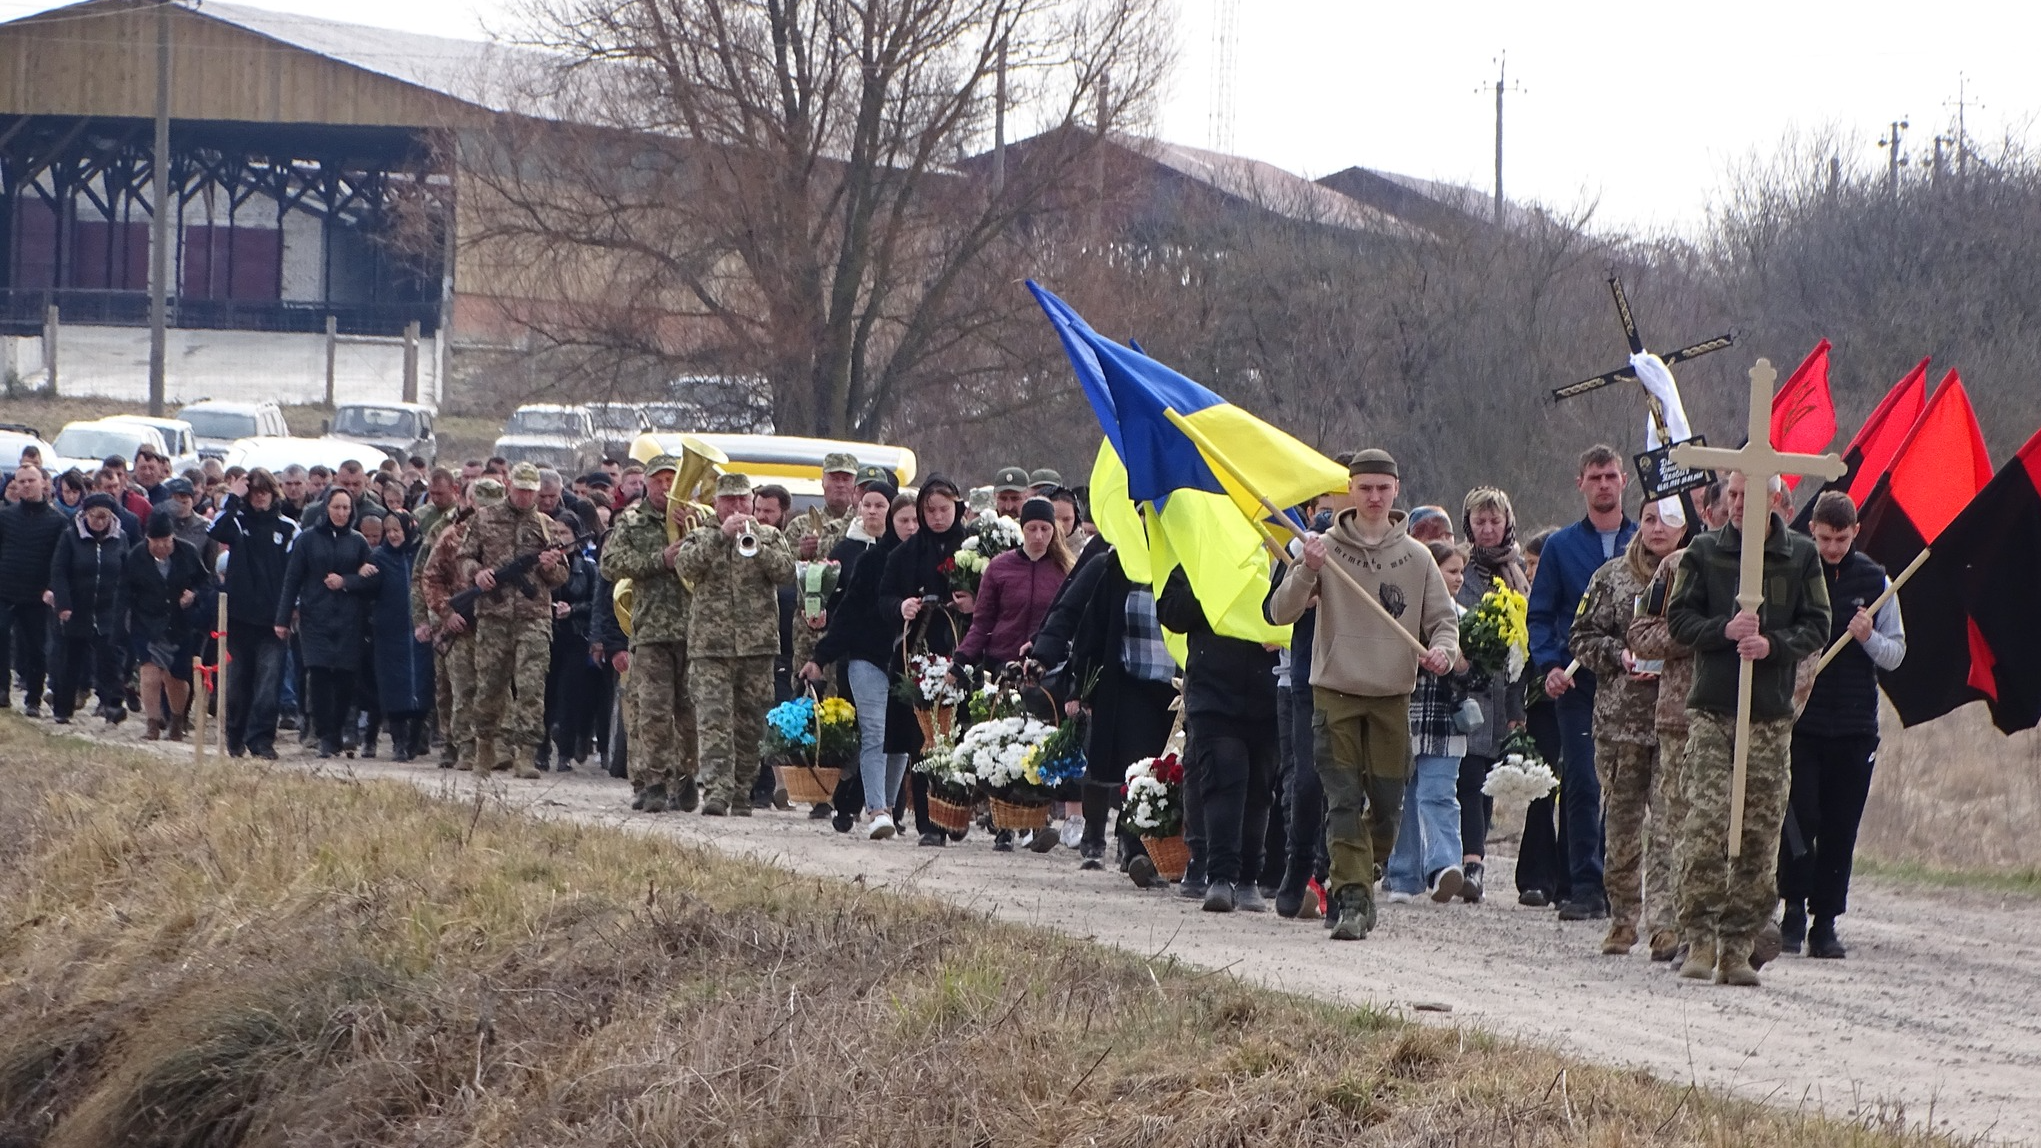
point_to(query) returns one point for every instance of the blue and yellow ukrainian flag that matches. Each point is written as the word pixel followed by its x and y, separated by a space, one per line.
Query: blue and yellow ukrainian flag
pixel 1184 476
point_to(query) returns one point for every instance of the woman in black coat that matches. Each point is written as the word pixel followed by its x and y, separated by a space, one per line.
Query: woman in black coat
pixel 165 584
pixel 404 685
pixel 86 576
pixel 862 640
pixel 327 586
pixel 915 590
pixel 572 678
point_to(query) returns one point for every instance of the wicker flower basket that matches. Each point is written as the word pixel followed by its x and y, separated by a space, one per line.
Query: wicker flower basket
pixel 1008 815
pixel 1170 854
pixel 808 784
pixel 951 815
pixel 939 721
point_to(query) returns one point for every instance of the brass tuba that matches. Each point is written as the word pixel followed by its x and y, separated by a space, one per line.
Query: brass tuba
pixel 700 465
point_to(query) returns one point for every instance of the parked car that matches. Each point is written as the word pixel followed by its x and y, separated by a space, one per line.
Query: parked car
pixel 219 422
pixel 17 437
pixel 714 403
pixel 618 425
pixel 550 434
pixel 278 453
pixel 88 442
pixel 403 429
pixel 179 442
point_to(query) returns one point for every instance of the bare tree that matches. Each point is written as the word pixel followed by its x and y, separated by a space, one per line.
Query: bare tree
pixel 786 189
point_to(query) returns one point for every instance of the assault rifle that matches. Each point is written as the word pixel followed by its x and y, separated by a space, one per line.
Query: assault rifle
pixel 514 574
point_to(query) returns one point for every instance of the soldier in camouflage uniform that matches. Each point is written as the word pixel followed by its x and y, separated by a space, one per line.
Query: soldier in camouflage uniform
pixel 433 521
pixel 664 755
pixel 513 628
pixel 455 641
pixel 1626 744
pixel 1650 638
pixel 838 511
pixel 1723 903
pixel 732 638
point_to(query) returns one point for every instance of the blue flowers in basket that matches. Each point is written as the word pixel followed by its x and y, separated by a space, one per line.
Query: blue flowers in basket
pixel 793 721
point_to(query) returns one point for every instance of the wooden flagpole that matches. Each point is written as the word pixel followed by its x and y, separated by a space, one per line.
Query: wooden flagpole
pixel 1218 456
pixel 220 681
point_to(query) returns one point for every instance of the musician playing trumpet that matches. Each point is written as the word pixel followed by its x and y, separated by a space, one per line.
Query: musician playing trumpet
pixel 735 569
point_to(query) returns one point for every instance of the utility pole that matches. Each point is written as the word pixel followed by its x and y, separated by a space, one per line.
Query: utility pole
pixel 159 218
pixel 1962 141
pixel 1501 85
pixel 1893 160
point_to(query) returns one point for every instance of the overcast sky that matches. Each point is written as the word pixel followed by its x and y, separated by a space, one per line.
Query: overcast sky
pixel 1641 108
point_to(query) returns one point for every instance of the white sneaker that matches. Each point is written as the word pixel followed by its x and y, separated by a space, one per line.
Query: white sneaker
pixel 1073 831
pixel 1400 898
pixel 881 827
pixel 1446 884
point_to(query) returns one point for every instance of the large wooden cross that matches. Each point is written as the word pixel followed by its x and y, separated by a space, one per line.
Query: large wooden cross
pixel 1759 462
pixel 1624 374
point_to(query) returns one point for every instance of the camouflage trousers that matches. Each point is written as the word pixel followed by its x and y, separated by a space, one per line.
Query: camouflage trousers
pixel 459 659
pixel 511 660
pixel 443 706
pixel 1719 898
pixel 1668 809
pixel 731 696
pixel 1637 841
pixel 661 714
pixel 1362 750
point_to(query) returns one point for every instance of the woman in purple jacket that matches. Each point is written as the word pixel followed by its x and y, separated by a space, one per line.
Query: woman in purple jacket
pixel 1016 591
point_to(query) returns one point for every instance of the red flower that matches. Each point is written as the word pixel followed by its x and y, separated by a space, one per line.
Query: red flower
pixel 947 566
pixel 1169 770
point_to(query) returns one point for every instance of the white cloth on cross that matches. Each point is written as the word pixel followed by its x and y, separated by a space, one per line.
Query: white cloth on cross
pixel 1658 382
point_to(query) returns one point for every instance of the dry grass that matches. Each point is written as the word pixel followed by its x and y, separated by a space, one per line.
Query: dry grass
pixel 1956 799
pixel 232 956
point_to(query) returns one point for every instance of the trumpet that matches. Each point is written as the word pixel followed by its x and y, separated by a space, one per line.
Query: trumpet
pixel 747 542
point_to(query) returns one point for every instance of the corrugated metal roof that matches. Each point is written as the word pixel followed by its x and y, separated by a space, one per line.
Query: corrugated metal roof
pixel 1266 186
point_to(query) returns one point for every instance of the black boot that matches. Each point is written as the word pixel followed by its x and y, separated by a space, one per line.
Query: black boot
pixel 1792 928
pixel 400 739
pixel 1822 943
pixel 1291 893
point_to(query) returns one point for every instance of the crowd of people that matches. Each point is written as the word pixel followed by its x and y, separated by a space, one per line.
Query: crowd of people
pixel 492 613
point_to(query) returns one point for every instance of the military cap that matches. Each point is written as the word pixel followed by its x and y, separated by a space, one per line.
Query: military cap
pixel 487 491
pixel 662 462
pixel 177 486
pixel 839 462
pixel 1373 460
pixel 524 476
pixel 732 485
pixel 876 476
pixel 1010 478
pixel 1045 477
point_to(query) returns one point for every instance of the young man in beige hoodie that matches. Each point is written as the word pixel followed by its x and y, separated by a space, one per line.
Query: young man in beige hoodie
pixel 1362 673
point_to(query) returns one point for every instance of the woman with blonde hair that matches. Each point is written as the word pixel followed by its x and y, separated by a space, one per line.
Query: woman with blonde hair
pixel 1490 525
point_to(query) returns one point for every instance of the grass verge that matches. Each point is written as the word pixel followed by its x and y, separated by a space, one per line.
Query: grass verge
pixel 2026 881
pixel 229 955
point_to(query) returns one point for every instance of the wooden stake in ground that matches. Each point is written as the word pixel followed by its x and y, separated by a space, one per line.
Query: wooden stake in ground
pixel 220 681
pixel 198 721
pixel 1759 463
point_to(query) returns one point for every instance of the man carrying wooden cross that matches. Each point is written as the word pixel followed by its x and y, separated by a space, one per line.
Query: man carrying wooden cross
pixel 1750 619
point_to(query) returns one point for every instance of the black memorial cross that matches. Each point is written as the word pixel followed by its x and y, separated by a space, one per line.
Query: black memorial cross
pixel 1624 374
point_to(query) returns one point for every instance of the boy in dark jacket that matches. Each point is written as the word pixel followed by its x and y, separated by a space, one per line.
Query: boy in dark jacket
pixel 163 579
pixel 29 529
pixel 256 530
pixel 85 585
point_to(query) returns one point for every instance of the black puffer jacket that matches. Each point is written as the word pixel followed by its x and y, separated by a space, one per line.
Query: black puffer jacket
pixel 155 609
pixel 331 623
pixel 28 540
pixel 858 625
pixel 86 573
pixel 258 547
pixel 1228 678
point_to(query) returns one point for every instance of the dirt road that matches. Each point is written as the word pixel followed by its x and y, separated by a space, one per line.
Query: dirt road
pixel 1936 1015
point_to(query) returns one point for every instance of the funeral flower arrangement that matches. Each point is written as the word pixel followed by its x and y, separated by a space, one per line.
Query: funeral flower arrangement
pixel 837 744
pixel 1495 636
pixel 790 733
pixel 927 684
pixel 988 537
pixel 1153 804
pixel 1061 756
pixel 1521 775
pixel 1003 755
pixel 950 774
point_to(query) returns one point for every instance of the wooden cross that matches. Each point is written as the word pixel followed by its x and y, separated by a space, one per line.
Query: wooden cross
pixel 1624 374
pixel 1759 462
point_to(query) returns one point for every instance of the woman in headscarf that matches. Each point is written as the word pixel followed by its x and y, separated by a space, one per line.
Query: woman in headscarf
pixel 326 587
pixel 403 664
pixel 862 636
pixel 86 578
pixel 914 594
pixel 1490 525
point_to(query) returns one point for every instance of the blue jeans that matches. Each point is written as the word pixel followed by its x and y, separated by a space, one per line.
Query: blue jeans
pixel 1428 837
pixel 1580 791
pixel 880 771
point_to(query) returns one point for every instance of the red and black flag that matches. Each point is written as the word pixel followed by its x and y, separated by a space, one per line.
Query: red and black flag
pixel 1937 471
pixel 1803 412
pixel 1987 559
pixel 1871 452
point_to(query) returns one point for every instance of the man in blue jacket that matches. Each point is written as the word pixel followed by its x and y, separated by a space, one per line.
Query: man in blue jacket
pixel 1570 558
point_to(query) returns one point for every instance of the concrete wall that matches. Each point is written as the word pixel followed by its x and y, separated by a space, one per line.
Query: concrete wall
pixel 113 363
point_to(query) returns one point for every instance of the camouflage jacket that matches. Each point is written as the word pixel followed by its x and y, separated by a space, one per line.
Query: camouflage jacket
pixel 439 572
pixel 496 535
pixel 421 611
pixel 1650 636
pixel 634 550
pixel 1624 707
pixel 735 610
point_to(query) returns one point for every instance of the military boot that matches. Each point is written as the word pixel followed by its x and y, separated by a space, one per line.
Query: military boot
pixel 655 799
pixel 1354 909
pixel 1700 962
pixel 1765 946
pixel 522 766
pixel 1735 967
pixel 485 755
pixel 638 800
pixel 1621 939
pixel 686 794
pixel 1664 944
